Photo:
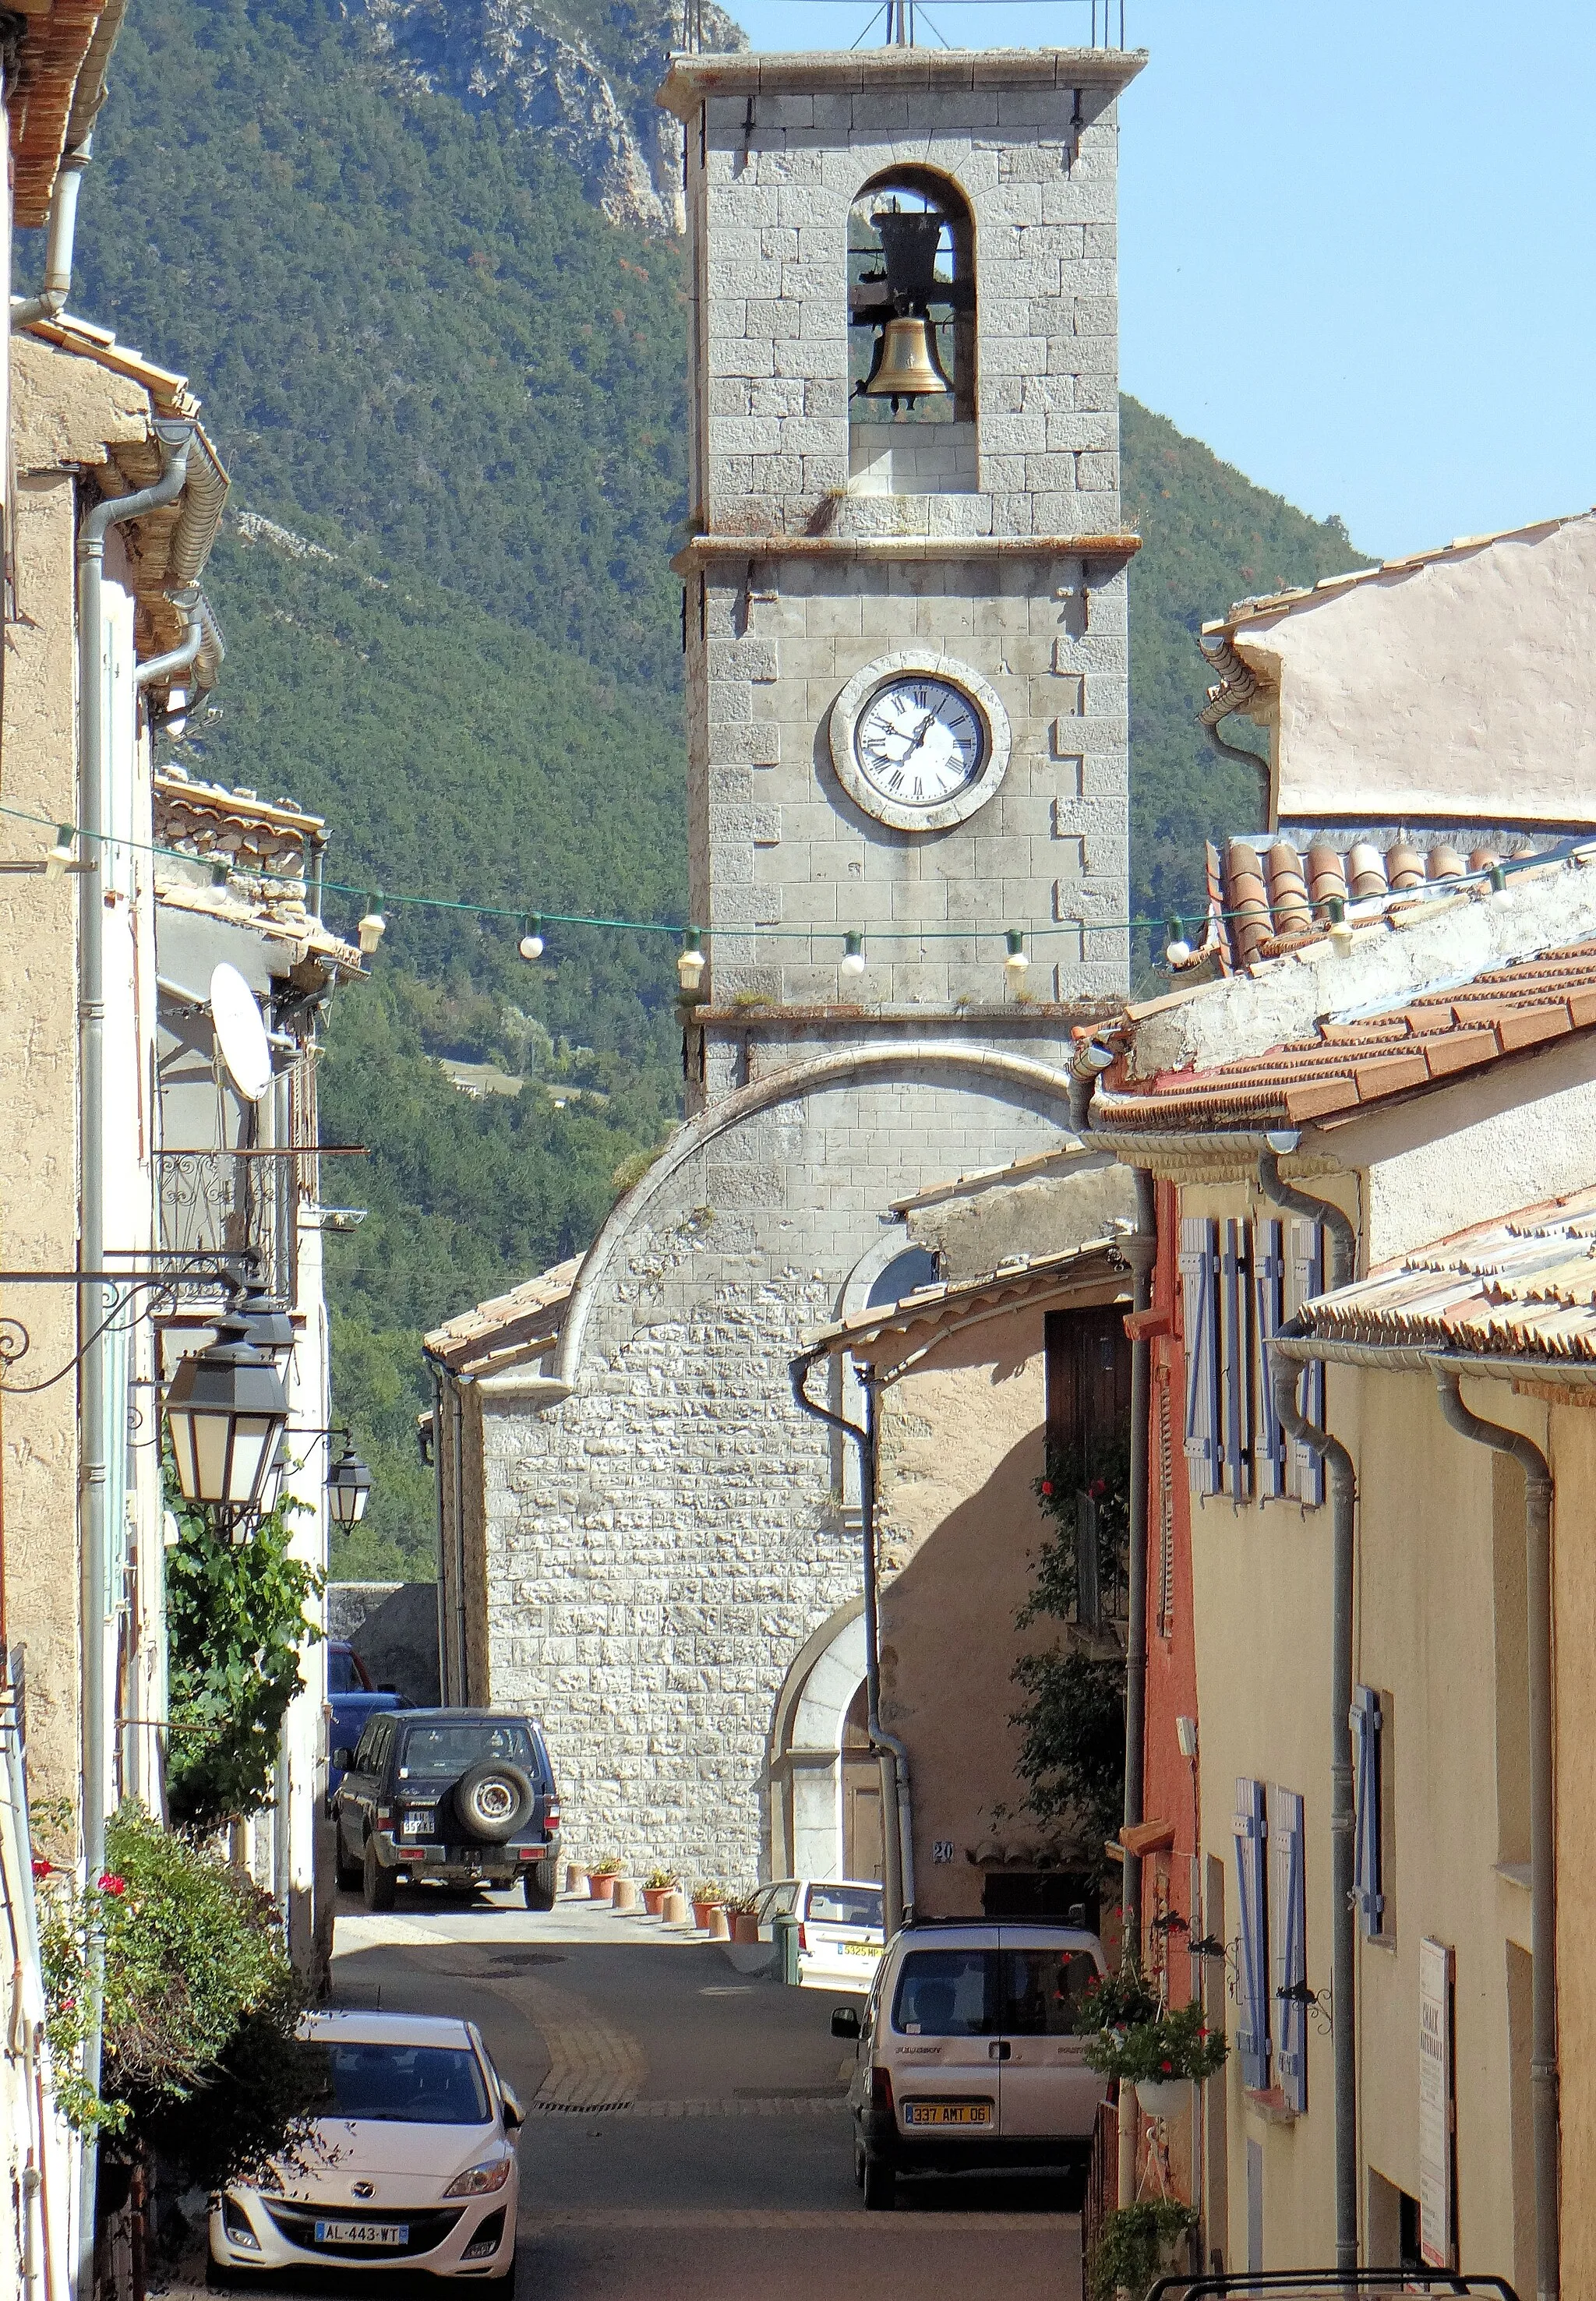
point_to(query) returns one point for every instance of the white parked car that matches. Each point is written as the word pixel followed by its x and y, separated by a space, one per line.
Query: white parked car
pixel 411 2162
pixel 841 1932
pixel 969 2053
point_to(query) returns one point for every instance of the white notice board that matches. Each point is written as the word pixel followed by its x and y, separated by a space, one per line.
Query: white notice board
pixel 1436 2203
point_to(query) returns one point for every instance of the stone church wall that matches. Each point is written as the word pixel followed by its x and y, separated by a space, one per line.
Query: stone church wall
pixel 660 1546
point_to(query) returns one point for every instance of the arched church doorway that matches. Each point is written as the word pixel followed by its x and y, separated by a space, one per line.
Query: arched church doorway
pixel 826 1784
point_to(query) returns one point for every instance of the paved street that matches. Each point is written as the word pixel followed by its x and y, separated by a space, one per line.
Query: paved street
pixel 686 2138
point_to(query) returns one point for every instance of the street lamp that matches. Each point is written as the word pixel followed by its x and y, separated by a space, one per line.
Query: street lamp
pixel 226 1409
pixel 271 1330
pixel 348 1487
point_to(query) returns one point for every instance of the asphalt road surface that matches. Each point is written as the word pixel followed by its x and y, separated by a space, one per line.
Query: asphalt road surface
pixel 686 2138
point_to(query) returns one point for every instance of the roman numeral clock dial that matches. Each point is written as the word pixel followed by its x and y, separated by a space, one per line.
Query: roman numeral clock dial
pixel 918 741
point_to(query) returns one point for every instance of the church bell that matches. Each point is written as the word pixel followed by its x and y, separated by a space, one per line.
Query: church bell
pixel 905 364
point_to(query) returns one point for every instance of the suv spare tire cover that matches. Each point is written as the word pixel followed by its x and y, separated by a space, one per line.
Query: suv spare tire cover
pixel 493 1800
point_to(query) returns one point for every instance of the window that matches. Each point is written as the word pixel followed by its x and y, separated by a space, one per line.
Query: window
pixel 1240 1282
pixel 1272 1976
pixel 401 2085
pixel 845 1905
pixel 450 1749
pixel 1042 1990
pixel 947 1993
pixel 1368 1882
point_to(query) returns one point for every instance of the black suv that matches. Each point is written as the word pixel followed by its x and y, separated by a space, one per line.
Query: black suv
pixel 467 1795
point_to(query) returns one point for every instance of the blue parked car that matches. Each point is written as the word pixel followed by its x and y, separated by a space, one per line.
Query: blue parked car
pixel 353 1699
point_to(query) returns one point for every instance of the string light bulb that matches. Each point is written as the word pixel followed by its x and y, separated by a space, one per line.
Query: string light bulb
pixel 1177 950
pixel 530 945
pixel 372 925
pixel 690 966
pixel 853 954
pixel 1341 931
pixel 1016 963
pixel 61 854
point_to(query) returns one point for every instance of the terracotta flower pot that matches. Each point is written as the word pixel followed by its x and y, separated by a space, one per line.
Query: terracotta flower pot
pixel 702 1912
pixel 601 1889
pixel 655 1898
pixel 745 1929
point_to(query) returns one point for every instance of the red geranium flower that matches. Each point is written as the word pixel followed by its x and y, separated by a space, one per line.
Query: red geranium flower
pixel 1047 1487
pixel 41 1868
pixel 1167 2067
pixel 110 1883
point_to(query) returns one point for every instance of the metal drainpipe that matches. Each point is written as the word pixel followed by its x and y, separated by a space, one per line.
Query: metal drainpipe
pixel 1140 1251
pixel 1284 1378
pixel 443 1626
pixel 98 816
pixel 462 1668
pixel 62 228
pixel 866 1440
pixel 1543 1938
pixel 179 658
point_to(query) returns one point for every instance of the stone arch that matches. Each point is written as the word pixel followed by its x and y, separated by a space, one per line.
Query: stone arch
pixel 974 1066
pixel 806 1763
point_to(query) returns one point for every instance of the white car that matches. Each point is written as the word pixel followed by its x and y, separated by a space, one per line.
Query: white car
pixel 840 1936
pixel 411 2162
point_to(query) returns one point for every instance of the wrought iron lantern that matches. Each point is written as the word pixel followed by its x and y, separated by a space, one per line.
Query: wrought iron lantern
pixel 349 1487
pixel 226 1411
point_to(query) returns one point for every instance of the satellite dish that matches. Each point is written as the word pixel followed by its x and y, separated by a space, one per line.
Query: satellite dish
pixel 240 1033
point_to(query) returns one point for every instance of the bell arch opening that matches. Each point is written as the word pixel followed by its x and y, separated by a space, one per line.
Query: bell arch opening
pixel 911 309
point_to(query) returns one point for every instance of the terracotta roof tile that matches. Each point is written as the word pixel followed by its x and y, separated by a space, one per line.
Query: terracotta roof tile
pixel 1351 1062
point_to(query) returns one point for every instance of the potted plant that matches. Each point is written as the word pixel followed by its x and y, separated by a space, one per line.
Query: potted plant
pixel 657 1885
pixel 602 1877
pixel 1137 2244
pixel 1163 2053
pixel 742 1909
pixel 708 1895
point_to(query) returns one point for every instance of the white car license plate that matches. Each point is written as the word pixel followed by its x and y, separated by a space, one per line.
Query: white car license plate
pixel 863 1949
pixel 420 1822
pixel 948 2112
pixel 361 2233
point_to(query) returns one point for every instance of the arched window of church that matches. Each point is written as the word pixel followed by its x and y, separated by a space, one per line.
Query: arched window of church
pixel 905 1274
pixel 911 307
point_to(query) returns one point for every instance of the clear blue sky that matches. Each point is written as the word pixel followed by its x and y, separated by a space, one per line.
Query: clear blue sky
pixel 1358 249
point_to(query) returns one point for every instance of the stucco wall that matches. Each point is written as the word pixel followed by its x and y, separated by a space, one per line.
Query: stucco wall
pixel 1573 1433
pixel 660 1546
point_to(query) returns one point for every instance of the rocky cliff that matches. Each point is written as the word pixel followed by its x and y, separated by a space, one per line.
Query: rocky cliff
pixel 584 74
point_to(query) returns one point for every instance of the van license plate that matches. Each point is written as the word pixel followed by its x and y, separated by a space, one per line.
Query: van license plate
pixel 363 2233
pixel 948 2112
pixel 862 1949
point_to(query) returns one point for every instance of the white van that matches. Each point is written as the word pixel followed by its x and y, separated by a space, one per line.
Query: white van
pixel 840 1936
pixel 968 2053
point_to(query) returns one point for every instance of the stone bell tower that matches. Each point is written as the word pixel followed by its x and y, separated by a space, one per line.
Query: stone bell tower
pixel 905 616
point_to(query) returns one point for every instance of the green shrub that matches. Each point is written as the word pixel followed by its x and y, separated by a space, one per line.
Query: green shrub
pixel 1170 2045
pixel 199 2058
pixel 1131 2252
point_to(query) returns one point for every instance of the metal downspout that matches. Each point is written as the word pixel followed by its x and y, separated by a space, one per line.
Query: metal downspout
pixel 62 229
pixel 1140 1251
pixel 98 816
pixel 1543 1938
pixel 865 1441
pixel 457 1432
pixel 1284 1378
pixel 443 1626
pixel 179 658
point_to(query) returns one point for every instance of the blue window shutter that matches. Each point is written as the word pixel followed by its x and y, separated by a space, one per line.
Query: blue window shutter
pixel 1252 1900
pixel 1290 1904
pixel 1235 1359
pixel 1269 1294
pixel 1306 1275
pixel 1199 1319
pixel 1366 1775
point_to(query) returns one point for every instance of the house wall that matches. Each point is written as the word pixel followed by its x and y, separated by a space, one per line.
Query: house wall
pixel 1573 1453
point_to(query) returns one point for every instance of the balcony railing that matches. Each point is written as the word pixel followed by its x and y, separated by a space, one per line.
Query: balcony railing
pixel 233 1202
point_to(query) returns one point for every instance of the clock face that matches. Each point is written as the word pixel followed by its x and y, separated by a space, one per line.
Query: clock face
pixel 920 741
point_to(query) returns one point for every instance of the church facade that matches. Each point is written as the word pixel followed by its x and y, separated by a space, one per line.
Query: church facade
pixel 904 626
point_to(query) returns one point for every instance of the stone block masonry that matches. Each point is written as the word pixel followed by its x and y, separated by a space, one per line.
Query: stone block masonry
pixel 660 1546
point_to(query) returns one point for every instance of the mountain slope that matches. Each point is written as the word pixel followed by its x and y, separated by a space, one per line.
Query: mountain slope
pixel 425 350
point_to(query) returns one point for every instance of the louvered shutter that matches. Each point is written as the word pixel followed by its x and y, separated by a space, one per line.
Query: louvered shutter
pixel 1199 1318
pixel 1366 1777
pixel 1306 1275
pixel 1289 1903
pixel 1235 1359
pixel 1268 1294
pixel 1252 1901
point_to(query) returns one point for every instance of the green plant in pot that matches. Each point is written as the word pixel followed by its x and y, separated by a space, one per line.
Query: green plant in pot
pixel 1163 2053
pixel 1135 2246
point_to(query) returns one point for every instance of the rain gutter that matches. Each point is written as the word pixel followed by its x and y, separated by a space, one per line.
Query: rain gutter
pixel 1449 1367
pixel 897 1892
